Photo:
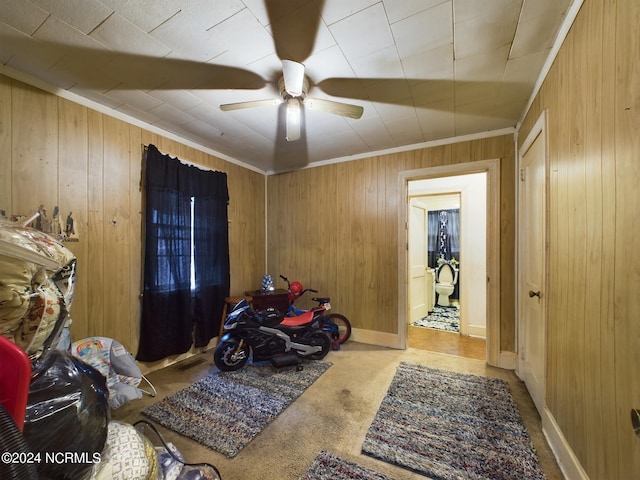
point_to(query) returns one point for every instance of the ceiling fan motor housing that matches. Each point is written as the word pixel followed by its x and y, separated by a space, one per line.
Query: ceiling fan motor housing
pixel 293 75
pixel 286 95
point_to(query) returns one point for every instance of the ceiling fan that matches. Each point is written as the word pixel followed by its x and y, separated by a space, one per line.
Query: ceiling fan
pixel 293 86
pixel 294 26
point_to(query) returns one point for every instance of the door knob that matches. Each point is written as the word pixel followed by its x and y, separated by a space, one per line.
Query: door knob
pixel 635 420
pixel 534 294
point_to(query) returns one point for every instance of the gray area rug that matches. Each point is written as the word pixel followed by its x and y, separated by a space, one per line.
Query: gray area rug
pixel 226 410
pixel 447 425
pixel 328 466
pixel 441 318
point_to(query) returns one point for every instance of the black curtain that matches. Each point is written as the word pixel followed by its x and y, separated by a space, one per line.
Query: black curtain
pixel 211 255
pixel 174 309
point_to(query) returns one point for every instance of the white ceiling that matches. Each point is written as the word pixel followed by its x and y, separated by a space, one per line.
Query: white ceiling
pixel 422 69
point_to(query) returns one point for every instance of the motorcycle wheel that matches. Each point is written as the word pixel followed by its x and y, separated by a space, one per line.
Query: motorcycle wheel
pixel 223 355
pixel 342 330
pixel 318 339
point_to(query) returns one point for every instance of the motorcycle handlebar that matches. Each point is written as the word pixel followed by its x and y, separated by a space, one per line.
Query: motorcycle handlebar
pixel 305 290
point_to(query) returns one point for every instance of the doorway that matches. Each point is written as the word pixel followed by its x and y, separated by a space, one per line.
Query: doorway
pixel 453 205
pixel 482 301
pixel 434 240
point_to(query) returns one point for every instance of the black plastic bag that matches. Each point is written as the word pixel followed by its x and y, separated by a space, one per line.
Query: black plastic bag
pixel 67 416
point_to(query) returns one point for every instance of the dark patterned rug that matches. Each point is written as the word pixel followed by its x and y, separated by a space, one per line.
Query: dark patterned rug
pixel 447 425
pixel 441 318
pixel 226 410
pixel 328 466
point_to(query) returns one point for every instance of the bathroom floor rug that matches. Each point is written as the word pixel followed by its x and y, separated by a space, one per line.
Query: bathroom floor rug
pixel 441 318
pixel 447 425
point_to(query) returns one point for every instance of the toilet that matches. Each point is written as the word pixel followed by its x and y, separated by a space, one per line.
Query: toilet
pixel 446 278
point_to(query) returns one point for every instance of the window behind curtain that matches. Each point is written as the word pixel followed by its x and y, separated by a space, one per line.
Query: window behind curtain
pixel 172 233
pixel 176 312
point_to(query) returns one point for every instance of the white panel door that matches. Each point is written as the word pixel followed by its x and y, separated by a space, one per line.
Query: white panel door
pixel 532 326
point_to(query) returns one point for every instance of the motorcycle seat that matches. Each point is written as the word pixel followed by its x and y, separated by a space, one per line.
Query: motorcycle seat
pixel 321 299
pixel 298 321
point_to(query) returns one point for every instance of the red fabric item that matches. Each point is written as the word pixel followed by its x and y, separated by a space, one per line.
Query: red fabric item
pixel 15 376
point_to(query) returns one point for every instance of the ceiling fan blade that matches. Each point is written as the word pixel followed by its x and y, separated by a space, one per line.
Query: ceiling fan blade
pixel 293 120
pixel 294 26
pixel 431 94
pixel 293 73
pixel 227 107
pixel 337 108
pixel 383 90
pixel 102 69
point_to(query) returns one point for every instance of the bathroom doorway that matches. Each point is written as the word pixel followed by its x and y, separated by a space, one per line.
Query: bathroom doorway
pixel 434 240
pixel 477 185
pixel 456 204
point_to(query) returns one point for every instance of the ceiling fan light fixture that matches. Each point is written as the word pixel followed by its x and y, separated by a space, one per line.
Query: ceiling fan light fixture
pixel 293 73
pixel 293 120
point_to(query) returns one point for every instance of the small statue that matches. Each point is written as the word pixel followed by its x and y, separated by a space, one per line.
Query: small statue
pixel 267 283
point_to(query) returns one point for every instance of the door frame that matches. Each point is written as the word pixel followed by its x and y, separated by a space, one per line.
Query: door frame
pixel 539 128
pixel 492 169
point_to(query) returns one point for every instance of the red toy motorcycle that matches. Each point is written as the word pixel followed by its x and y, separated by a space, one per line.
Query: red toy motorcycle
pixel 335 325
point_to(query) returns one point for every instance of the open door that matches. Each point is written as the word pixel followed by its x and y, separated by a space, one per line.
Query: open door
pixel 418 305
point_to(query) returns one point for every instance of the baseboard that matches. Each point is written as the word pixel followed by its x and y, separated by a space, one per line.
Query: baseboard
pixel 148 367
pixel 477 331
pixel 371 337
pixel 567 460
pixel 507 360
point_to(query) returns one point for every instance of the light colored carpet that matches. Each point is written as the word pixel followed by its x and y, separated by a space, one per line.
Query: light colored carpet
pixel 332 414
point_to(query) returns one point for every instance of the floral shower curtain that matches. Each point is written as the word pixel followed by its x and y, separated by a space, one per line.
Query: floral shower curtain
pixel 444 238
pixel 444 235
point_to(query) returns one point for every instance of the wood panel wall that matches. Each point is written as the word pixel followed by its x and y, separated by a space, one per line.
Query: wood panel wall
pixel 335 228
pixel 592 98
pixel 56 152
